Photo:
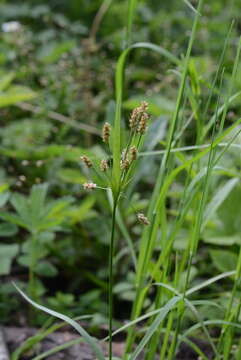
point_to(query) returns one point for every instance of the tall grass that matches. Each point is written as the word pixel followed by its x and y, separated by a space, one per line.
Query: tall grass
pixel 155 268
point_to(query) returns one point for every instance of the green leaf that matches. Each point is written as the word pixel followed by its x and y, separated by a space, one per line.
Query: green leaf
pixel 157 105
pixel 218 199
pixel 14 219
pixel 7 254
pixel 90 340
pixel 48 152
pixel 216 238
pixel 119 75
pixel 4 196
pixel 82 212
pixel 155 325
pixel 16 94
pixel 45 268
pixel 20 204
pixel 40 335
pixel 6 80
pixel 72 176
pixel 36 202
pixel 25 260
pixel 229 207
pixel 50 53
pixel 224 260
pixel 7 229
pixel 3 187
pixel 55 208
pixel 209 282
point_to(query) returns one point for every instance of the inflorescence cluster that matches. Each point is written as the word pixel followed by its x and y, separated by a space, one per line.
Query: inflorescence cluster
pixel 138 125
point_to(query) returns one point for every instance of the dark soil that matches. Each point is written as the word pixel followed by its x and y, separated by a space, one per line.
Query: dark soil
pixel 14 337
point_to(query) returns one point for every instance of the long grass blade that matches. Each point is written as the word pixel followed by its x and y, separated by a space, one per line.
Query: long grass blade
pixel 119 75
pixel 132 4
pixel 91 341
pixel 155 325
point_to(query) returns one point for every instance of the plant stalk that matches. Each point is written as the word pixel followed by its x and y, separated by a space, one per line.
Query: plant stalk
pixel 31 285
pixel 110 287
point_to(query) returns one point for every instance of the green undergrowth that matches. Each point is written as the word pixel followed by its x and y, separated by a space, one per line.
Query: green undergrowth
pixel 149 175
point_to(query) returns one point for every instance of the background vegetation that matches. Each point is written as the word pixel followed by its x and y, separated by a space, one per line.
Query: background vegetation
pixel 57 90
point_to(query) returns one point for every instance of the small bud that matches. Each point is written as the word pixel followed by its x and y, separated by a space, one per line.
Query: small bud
pixel 133 153
pixel 25 162
pixel 86 161
pixel 89 186
pixel 143 219
pixel 22 178
pixel 39 163
pixel 104 165
pixel 106 132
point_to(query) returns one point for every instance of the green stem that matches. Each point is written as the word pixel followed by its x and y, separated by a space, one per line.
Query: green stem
pixel 31 285
pixel 228 315
pixel 111 255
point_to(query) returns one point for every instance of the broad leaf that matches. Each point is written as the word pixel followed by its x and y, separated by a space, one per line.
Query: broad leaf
pixel 36 202
pixel 7 229
pixel 224 260
pixel 7 254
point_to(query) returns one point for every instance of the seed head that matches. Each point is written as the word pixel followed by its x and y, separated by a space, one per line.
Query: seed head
pixel 106 132
pixel 86 161
pixel 133 153
pixel 144 106
pixel 89 186
pixel 143 219
pixel 141 129
pixel 125 164
pixel 104 165
pixel 133 121
pixel 137 116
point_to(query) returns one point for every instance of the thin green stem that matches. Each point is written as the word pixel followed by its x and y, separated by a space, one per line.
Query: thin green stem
pixel 31 286
pixel 229 312
pixel 110 290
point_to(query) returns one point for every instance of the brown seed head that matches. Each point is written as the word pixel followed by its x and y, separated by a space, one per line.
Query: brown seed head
pixel 133 153
pixel 106 132
pixel 144 106
pixel 142 123
pixel 137 115
pixel 125 164
pixel 133 121
pixel 86 161
pixel 143 219
pixel 104 165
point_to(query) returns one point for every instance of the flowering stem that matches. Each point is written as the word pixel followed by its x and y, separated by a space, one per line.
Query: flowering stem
pixel 110 290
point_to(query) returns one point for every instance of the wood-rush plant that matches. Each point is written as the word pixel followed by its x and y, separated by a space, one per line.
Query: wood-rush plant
pixel 117 182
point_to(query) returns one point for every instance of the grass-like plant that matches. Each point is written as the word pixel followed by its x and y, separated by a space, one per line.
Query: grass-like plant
pixel 155 267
